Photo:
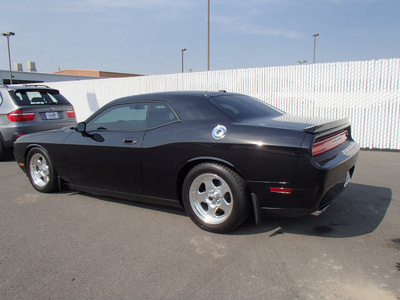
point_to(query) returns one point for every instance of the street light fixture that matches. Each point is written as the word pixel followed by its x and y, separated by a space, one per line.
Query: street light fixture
pixel 301 61
pixel 7 35
pixel 182 50
pixel 315 42
pixel 208 35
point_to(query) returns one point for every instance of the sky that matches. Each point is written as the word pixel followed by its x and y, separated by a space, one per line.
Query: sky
pixel 146 36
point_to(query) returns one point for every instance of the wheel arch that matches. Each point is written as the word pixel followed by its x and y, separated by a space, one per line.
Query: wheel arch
pixel 30 147
pixel 194 162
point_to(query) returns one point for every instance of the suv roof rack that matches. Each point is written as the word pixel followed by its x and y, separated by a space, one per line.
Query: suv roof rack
pixel 37 85
pixel 24 85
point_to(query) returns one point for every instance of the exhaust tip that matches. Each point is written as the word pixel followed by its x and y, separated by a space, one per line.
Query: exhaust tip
pixel 320 211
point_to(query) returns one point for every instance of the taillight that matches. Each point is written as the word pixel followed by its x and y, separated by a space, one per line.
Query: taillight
pixel 326 143
pixel 19 116
pixel 71 113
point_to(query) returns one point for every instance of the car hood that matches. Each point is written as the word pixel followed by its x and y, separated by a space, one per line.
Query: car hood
pixel 297 123
pixel 47 135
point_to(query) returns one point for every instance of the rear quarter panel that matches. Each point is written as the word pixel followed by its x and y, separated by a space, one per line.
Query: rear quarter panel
pixel 257 154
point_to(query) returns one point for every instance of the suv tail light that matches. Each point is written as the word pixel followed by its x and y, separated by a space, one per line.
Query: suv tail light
pixel 19 116
pixel 71 113
pixel 326 143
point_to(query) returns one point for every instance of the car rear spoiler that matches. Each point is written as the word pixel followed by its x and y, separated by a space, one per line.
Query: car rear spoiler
pixel 342 123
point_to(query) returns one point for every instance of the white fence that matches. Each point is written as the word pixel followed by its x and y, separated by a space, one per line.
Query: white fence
pixel 367 92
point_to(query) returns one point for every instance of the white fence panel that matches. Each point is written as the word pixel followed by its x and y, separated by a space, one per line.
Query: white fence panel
pixel 367 92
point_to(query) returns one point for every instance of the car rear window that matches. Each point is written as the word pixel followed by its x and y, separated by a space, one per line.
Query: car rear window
pixel 241 107
pixel 37 97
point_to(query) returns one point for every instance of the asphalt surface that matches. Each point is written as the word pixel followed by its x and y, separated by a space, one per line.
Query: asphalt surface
pixel 71 245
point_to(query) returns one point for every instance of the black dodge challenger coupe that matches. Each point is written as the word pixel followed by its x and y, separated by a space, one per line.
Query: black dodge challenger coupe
pixel 219 155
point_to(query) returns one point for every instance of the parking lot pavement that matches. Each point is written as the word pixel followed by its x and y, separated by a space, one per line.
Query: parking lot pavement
pixel 71 245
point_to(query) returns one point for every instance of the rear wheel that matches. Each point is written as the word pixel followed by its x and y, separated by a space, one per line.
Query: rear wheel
pixel 41 172
pixel 215 197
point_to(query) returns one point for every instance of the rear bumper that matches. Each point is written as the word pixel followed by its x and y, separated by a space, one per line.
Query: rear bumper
pixel 316 184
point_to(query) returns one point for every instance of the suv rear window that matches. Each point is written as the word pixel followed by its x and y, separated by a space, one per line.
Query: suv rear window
pixel 37 97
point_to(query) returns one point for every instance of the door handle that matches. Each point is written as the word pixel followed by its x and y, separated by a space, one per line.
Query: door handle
pixel 130 141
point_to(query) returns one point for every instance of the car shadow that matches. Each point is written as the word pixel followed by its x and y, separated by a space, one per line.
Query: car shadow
pixel 160 208
pixel 357 211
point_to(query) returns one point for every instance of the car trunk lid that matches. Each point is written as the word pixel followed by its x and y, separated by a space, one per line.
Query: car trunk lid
pixel 327 133
pixel 298 123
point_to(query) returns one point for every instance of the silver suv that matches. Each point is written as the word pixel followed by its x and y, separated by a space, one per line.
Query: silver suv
pixel 30 108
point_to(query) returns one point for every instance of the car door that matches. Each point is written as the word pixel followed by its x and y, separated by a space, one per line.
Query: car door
pixel 108 154
pixel 161 152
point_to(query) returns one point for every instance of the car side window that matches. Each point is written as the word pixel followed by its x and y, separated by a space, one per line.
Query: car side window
pixel 160 114
pixel 1 99
pixel 121 117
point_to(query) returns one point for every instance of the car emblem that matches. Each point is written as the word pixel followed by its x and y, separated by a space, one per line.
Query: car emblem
pixel 52 108
pixel 219 132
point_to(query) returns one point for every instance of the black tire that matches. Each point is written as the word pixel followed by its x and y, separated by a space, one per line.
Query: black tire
pixel 215 197
pixel 5 154
pixel 2 154
pixel 40 171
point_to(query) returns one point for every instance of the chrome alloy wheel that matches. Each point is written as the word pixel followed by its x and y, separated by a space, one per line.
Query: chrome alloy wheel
pixel 39 170
pixel 211 198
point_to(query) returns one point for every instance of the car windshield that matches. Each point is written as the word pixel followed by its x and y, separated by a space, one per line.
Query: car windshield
pixel 37 97
pixel 241 107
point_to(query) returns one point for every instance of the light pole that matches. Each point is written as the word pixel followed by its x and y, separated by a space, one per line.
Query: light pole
pixel 315 42
pixel 7 35
pixel 208 35
pixel 182 50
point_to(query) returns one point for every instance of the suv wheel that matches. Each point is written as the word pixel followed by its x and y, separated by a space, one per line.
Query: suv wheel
pixel 4 152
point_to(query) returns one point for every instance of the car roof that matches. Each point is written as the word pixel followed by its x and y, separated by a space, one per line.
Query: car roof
pixel 173 96
pixel 189 105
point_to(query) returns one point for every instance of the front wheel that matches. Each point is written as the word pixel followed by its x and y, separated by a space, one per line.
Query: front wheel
pixel 215 197
pixel 41 172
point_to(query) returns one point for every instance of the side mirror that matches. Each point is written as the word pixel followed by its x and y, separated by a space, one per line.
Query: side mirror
pixel 97 137
pixel 81 127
